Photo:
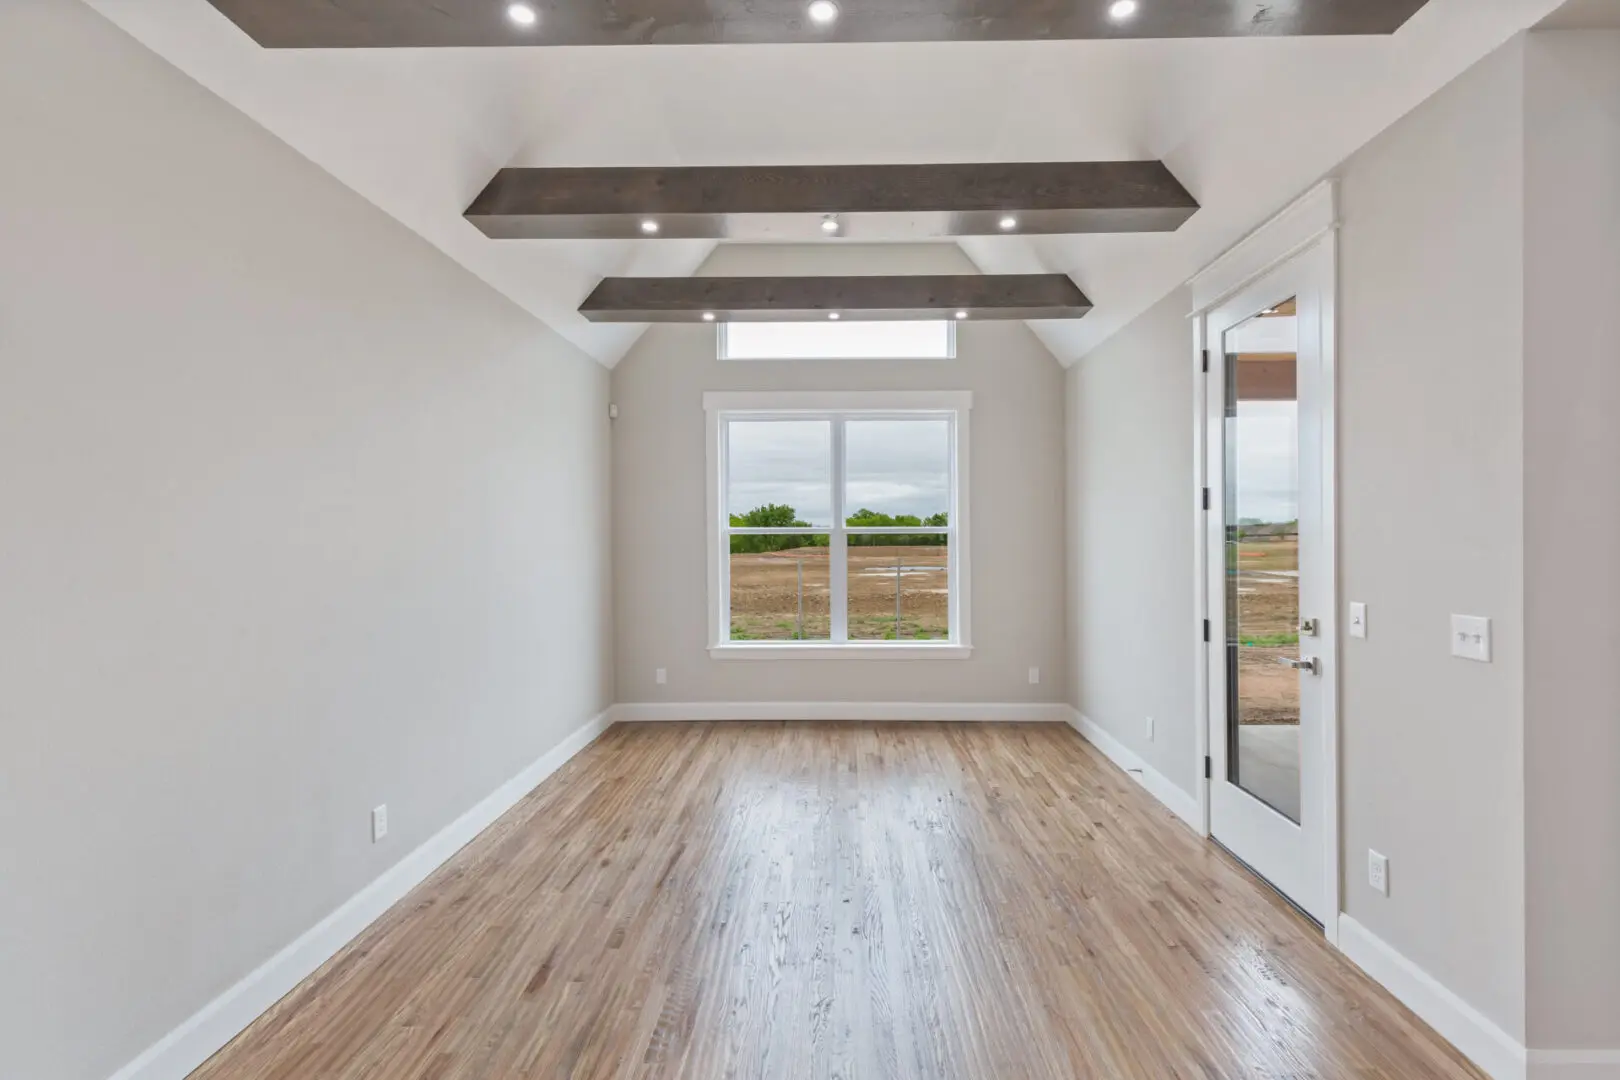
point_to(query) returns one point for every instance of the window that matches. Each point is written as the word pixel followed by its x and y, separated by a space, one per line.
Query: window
pixel 838 524
pixel 852 340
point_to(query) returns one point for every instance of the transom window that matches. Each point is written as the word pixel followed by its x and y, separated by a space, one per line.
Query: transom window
pixel 838 524
pixel 853 339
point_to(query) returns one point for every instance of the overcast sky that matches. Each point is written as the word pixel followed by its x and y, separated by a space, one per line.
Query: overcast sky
pixel 1268 461
pixel 903 466
pixel 894 467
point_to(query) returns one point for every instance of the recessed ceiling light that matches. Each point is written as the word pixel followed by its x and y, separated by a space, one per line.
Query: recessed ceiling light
pixel 522 14
pixel 834 316
pixel 822 12
pixel 708 316
pixel 829 224
pixel 649 226
pixel 961 314
pixel 1122 9
pixel 1009 223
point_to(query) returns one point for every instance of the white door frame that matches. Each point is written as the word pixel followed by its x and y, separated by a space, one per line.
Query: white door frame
pixel 1309 225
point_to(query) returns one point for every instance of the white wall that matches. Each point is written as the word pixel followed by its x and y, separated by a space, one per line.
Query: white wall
pixel 299 518
pixel 1431 512
pixel 1130 539
pixel 1017 503
pixel 1479 361
pixel 1572 538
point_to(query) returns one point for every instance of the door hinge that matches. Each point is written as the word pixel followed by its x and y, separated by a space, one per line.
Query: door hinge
pixel 1206 631
pixel 1206 498
pixel 1209 768
pixel 1206 361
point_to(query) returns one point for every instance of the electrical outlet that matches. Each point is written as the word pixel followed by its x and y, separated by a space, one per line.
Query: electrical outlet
pixel 661 676
pixel 1358 619
pixel 1034 676
pixel 1471 638
pixel 379 823
pixel 1378 872
pixel 1150 729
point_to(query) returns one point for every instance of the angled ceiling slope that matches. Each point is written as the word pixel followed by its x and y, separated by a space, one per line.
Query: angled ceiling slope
pixel 361 24
pixel 1247 123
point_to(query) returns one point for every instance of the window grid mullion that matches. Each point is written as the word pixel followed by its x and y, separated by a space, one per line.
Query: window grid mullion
pixel 838 547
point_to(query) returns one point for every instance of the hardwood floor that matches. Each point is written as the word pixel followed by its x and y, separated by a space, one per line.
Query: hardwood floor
pixel 864 902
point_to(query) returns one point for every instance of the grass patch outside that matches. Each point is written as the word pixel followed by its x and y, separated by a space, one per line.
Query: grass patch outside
pixel 1269 641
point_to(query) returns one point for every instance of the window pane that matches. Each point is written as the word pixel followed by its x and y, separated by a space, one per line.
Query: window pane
pixel 1262 557
pixel 899 588
pixel 898 473
pixel 780 474
pixel 780 595
pixel 837 341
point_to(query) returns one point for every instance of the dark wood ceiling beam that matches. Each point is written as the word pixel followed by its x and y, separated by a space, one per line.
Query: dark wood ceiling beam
pixel 356 24
pixel 868 202
pixel 802 299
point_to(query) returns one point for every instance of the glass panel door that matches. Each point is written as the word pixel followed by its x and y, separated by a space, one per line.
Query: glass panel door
pixel 1262 557
pixel 1271 674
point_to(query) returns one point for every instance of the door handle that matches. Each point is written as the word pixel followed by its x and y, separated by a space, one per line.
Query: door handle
pixel 1304 663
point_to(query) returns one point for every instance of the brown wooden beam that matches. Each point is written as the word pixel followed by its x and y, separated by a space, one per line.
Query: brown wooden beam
pixel 803 299
pixel 369 24
pixel 867 202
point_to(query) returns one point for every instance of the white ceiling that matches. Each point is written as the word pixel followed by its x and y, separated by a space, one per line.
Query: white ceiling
pixel 1246 124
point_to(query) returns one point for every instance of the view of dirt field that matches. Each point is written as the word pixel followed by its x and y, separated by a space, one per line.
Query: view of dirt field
pixel 1267 629
pixel 767 589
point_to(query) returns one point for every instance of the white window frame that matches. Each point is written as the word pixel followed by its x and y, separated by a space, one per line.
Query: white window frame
pixel 837 408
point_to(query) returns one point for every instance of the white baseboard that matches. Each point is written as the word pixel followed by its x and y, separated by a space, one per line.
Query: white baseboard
pixel 1499 1054
pixel 1039 712
pixel 1574 1065
pixel 178 1053
pixel 1183 804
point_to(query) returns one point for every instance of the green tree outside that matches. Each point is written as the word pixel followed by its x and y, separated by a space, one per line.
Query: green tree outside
pixel 774 516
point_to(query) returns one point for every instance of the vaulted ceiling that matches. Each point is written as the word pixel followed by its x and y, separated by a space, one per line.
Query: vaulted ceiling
pixel 1245 123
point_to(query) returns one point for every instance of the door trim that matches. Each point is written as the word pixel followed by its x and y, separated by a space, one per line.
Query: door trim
pixel 1307 228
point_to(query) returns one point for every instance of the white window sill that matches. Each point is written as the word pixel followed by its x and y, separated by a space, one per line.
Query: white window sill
pixel 875 651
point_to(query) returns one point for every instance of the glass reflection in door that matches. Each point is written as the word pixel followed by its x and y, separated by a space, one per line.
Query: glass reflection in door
pixel 1262 557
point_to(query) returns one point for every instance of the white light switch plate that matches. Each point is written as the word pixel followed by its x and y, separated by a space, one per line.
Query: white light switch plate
pixel 661 676
pixel 1358 619
pixel 1471 638
pixel 379 823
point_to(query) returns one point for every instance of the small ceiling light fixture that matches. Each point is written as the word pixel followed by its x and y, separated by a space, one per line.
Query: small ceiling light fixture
pixel 522 14
pixel 961 315
pixel 1009 223
pixel 834 316
pixel 822 12
pixel 1122 10
pixel 829 224
pixel 649 226
pixel 708 316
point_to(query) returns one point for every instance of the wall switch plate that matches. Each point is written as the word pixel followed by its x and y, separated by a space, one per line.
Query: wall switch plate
pixel 1034 676
pixel 379 823
pixel 1150 729
pixel 1378 872
pixel 1358 619
pixel 661 676
pixel 1471 638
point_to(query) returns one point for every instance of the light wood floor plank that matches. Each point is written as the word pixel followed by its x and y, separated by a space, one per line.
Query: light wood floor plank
pixel 839 902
